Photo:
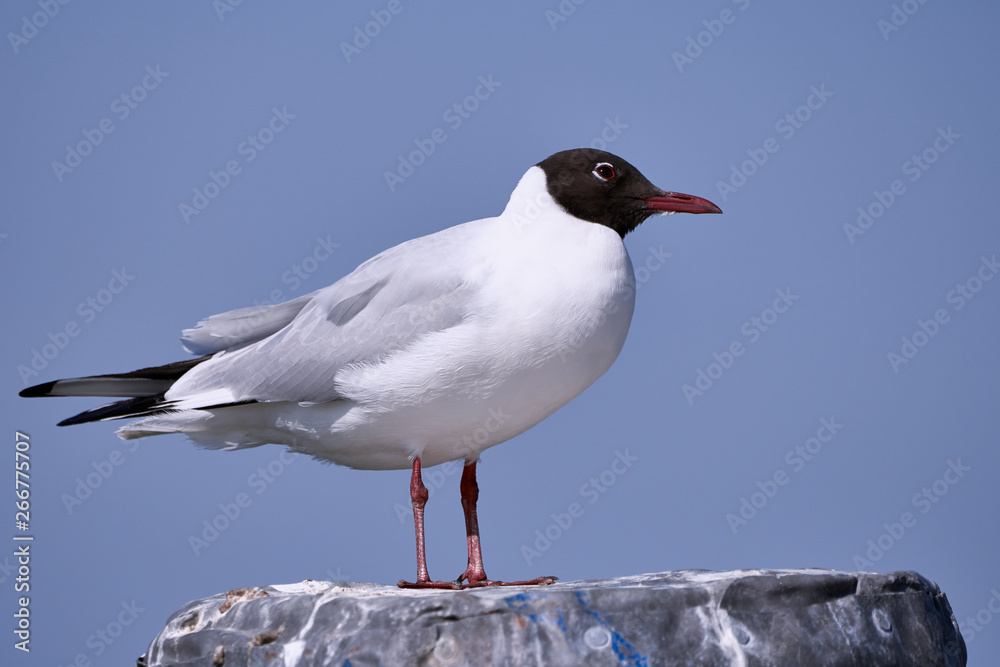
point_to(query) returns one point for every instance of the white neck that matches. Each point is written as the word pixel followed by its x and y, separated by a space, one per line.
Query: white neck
pixel 531 201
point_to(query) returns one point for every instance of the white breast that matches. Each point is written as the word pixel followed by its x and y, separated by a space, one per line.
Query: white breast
pixel 554 297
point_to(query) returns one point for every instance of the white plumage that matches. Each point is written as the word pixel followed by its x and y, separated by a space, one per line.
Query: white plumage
pixel 431 351
pixel 439 347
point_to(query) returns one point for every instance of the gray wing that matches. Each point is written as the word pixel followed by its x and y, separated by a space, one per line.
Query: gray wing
pixel 384 305
pixel 237 328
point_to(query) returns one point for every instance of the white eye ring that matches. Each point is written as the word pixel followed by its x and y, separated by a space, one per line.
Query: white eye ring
pixel 605 167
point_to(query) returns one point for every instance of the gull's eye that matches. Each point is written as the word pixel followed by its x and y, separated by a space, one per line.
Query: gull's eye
pixel 604 171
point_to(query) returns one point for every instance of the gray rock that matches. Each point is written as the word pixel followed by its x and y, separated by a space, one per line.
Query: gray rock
pixel 749 617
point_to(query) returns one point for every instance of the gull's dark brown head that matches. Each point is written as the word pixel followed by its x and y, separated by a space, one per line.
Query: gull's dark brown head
pixel 600 187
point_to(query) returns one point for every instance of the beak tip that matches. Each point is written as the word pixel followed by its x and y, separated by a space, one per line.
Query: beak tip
pixel 677 202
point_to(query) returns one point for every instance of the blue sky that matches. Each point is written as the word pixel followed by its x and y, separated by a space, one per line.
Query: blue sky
pixel 809 381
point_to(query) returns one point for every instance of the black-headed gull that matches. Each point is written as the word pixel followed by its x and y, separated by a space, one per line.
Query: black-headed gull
pixel 431 351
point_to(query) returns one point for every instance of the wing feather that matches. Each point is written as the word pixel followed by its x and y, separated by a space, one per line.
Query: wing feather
pixel 237 328
pixel 409 291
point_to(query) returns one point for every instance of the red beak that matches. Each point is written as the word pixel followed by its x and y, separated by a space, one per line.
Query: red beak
pixel 681 203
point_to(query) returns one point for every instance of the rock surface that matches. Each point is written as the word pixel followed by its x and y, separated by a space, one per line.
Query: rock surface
pixel 747 617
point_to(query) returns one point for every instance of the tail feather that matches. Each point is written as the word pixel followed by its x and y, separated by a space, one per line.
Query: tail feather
pixel 142 389
pixel 143 382
pixel 130 407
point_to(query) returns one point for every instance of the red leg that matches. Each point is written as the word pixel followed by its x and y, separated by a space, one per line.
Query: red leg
pixel 475 574
pixel 418 496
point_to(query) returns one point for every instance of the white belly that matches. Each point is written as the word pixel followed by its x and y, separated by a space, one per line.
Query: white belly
pixel 524 353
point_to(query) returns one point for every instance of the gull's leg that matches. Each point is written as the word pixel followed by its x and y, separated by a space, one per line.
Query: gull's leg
pixel 418 496
pixel 475 574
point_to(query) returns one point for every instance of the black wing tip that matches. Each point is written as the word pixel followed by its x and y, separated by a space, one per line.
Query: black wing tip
pixel 167 374
pixel 38 391
pixel 143 406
